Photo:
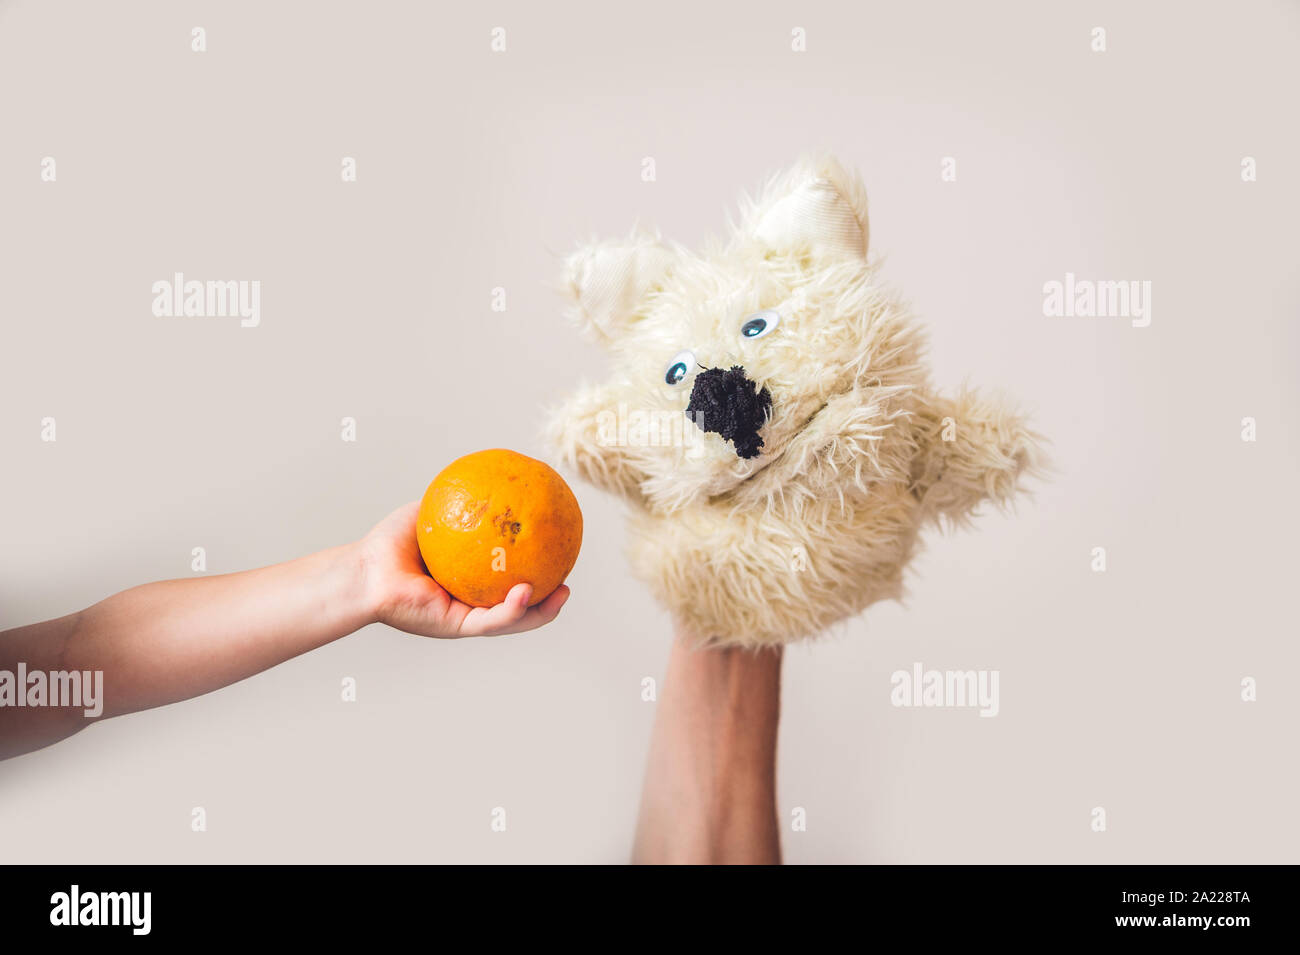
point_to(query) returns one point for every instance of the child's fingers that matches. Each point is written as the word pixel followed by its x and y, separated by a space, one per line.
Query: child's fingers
pixel 544 612
pixel 514 615
pixel 552 604
pixel 486 621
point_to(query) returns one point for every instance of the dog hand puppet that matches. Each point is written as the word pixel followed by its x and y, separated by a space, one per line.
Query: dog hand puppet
pixel 770 417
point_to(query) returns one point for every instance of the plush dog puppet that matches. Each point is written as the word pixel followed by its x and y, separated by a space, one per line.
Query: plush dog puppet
pixel 770 417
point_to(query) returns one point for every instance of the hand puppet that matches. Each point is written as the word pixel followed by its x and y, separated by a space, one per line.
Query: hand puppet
pixel 770 417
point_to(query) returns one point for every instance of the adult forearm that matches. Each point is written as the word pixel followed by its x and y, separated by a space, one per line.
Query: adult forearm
pixel 710 788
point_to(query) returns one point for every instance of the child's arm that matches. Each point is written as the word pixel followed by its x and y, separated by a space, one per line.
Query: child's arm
pixel 175 639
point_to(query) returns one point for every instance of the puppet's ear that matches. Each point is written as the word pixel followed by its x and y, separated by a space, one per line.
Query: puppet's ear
pixel 608 282
pixel 816 208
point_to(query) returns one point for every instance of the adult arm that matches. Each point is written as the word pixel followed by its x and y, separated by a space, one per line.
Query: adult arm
pixel 710 787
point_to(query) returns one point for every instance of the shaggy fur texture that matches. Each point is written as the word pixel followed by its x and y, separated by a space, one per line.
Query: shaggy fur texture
pixel 758 539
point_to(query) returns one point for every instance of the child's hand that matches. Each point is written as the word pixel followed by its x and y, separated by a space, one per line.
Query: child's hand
pixel 403 595
pixel 174 639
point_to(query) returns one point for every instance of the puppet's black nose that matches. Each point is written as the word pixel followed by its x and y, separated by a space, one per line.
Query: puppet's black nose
pixel 729 404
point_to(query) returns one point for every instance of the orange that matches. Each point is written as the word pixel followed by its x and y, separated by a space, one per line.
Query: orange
pixel 494 519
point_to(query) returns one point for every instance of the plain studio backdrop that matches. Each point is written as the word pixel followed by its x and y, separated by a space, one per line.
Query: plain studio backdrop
pixel 479 170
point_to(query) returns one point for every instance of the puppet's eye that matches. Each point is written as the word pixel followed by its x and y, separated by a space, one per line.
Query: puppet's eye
pixel 760 323
pixel 679 367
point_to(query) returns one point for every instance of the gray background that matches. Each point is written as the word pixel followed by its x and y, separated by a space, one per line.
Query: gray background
pixel 479 170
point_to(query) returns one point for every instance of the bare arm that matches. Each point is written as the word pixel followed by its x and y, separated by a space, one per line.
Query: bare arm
pixel 710 786
pixel 172 640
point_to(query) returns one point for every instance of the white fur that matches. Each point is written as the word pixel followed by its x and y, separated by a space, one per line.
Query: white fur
pixel 822 522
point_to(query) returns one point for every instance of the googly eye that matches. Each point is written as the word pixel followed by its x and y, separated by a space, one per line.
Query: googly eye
pixel 760 324
pixel 679 367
